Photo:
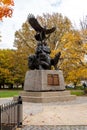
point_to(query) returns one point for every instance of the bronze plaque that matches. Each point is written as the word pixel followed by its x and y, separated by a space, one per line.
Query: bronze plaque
pixel 56 79
pixel 53 79
pixel 50 79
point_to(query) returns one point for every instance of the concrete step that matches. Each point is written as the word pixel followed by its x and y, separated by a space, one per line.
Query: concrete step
pixel 45 94
pixel 47 99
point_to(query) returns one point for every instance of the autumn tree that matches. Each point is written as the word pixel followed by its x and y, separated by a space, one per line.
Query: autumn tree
pixel 5 8
pixel 11 70
pixel 20 64
pixel 24 38
pixel 83 33
pixel 65 39
pixel 6 67
pixel 68 41
pixel 25 44
pixel 75 63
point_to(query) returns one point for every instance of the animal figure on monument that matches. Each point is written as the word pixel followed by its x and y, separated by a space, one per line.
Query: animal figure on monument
pixel 41 60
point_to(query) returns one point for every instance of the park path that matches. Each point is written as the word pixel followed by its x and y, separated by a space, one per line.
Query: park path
pixel 70 115
pixel 58 113
pixel 5 100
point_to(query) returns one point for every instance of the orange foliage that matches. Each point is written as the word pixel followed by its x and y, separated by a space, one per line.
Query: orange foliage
pixel 7 2
pixel 5 9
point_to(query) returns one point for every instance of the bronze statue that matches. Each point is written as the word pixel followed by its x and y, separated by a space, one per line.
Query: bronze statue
pixel 41 60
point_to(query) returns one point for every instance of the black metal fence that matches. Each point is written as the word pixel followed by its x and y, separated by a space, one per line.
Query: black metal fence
pixel 11 115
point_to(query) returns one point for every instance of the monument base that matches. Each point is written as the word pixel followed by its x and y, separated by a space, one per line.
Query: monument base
pixel 44 80
pixel 46 97
pixel 43 86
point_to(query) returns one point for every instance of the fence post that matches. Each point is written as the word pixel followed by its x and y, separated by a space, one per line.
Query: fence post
pixel 0 117
pixel 20 111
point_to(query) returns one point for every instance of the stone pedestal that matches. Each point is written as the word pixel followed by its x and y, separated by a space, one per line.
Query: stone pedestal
pixel 44 80
pixel 43 86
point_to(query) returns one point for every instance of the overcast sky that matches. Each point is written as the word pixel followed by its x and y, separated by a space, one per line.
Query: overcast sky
pixel 75 10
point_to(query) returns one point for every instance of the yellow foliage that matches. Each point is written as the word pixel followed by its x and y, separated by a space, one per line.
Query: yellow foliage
pixel 65 39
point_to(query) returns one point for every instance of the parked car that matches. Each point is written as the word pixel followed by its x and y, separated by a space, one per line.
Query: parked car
pixel 70 86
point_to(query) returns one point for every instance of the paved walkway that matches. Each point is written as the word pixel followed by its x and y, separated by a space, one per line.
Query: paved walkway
pixel 59 113
pixel 70 115
pixel 5 100
pixel 54 127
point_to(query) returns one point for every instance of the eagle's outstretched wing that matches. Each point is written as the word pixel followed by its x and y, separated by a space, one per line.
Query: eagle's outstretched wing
pixel 50 30
pixel 34 23
pixel 40 31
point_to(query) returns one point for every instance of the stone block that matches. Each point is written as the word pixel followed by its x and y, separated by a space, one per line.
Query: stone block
pixel 44 80
pixel 46 97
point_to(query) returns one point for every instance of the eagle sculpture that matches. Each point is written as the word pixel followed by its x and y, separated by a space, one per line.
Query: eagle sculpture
pixel 41 32
pixel 41 59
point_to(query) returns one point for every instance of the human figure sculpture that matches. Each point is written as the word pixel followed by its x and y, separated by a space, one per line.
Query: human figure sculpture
pixel 41 60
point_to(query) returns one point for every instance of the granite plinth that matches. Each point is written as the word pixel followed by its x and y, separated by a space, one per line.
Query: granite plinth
pixel 46 97
pixel 44 80
pixel 43 86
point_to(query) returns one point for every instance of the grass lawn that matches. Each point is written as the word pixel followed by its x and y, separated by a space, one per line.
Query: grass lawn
pixel 8 93
pixel 77 92
pixel 11 93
